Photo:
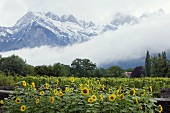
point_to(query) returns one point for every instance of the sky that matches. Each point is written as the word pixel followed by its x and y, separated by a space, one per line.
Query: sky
pixel 128 42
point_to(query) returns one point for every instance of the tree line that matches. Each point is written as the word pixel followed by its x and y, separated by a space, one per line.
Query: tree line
pixel 155 66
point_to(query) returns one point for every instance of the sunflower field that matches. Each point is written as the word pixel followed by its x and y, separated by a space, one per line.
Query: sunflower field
pixel 81 95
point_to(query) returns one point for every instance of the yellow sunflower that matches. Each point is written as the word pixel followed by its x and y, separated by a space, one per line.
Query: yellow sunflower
pixel 24 83
pixel 42 93
pixel 101 97
pixel 1 102
pixel 23 108
pixel 133 91
pixel 18 100
pixel 122 96
pixel 136 100
pixel 37 101
pixel 33 84
pixel 47 86
pixel 55 92
pixel 60 93
pixel 94 97
pixel 85 91
pixel 108 90
pixel 117 92
pixel 90 100
pixel 103 87
pixel 143 93
pixel 57 81
pixel 72 79
pixel 150 89
pixel 112 97
pixel 81 85
pixel 160 109
pixel 141 107
pixel 51 100
pixel 67 89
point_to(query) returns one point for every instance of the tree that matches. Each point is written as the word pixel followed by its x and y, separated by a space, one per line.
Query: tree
pixel 14 65
pixel 138 72
pixel 148 65
pixel 115 71
pixel 82 67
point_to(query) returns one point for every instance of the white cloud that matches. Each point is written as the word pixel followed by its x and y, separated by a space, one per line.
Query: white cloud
pixel 127 42
pixel 95 10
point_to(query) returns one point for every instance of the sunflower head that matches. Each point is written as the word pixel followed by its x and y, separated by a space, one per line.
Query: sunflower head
pixel 143 92
pixel 141 107
pixel 47 86
pixel 90 100
pixel 103 87
pixel 150 89
pixel 55 92
pixel 112 97
pixel 37 101
pixel 51 100
pixel 42 93
pixel 18 100
pixel 101 97
pixel 160 108
pixel 1 102
pixel 33 84
pixel 24 83
pixel 122 96
pixel 136 100
pixel 72 79
pixel 85 91
pixel 94 98
pixel 60 93
pixel 23 108
pixel 67 89
pixel 133 91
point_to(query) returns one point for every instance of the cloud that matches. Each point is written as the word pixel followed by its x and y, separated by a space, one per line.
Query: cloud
pixel 100 11
pixel 128 42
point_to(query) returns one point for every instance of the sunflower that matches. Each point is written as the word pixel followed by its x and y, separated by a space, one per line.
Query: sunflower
pixel 47 86
pixel 120 88
pixel 57 81
pixel 85 91
pixel 37 101
pixel 117 92
pixel 80 85
pixel 141 107
pixel 90 100
pixel 103 87
pixel 24 83
pixel 55 92
pixel 67 89
pixel 72 79
pixel 108 90
pixel 60 93
pixel 112 97
pixel 51 100
pixel 143 93
pixel 42 93
pixel 1 102
pixel 122 96
pixel 23 108
pixel 160 108
pixel 18 100
pixel 136 100
pixel 150 89
pixel 133 91
pixel 94 98
pixel 101 97
pixel 33 84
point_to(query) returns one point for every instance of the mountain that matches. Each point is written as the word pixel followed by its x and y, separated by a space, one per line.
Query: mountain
pixel 36 29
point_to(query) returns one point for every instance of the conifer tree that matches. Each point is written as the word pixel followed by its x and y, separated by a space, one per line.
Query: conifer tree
pixel 148 65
